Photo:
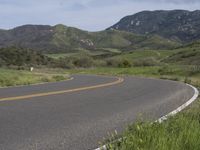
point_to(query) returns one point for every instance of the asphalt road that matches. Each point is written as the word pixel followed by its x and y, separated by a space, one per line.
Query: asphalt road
pixel 79 120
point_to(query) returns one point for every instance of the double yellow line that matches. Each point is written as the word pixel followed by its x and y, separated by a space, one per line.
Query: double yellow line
pixel 118 81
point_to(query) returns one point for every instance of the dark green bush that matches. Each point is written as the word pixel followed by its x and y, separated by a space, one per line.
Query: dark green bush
pixel 145 62
pixel 22 57
pixel 122 63
pixel 83 62
pixel 58 78
pixel 125 64
pixel 165 70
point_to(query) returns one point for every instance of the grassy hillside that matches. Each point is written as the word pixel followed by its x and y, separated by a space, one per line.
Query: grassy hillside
pixel 63 39
pixel 187 55
pixel 129 41
pixel 142 54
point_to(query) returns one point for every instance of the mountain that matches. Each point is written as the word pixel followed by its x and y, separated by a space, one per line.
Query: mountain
pixel 179 25
pixel 60 38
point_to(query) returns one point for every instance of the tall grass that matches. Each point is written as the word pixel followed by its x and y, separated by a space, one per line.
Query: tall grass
pixel 181 132
pixel 18 77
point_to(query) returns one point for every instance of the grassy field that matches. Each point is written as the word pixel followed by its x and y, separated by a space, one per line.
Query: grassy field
pixel 10 77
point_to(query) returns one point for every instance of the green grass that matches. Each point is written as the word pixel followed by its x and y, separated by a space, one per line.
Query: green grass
pixel 10 77
pixel 172 72
pixel 189 54
pixel 60 55
pixel 181 132
pixel 146 71
pixel 142 54
pixel 97 52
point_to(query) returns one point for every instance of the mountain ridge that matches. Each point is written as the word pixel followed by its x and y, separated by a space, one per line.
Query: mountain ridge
pixel 60 38
pixel 180 25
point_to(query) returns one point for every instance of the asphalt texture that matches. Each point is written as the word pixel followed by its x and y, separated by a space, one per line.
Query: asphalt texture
pixel 80 120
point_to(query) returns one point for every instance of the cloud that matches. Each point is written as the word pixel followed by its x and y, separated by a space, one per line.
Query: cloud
pixel 85 14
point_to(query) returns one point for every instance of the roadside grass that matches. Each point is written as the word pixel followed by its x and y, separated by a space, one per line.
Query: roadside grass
pixel 188 74
pixel 180 132
pixel 10 77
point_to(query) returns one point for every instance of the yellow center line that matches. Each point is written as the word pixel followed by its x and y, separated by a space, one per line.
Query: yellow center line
pixel 120 80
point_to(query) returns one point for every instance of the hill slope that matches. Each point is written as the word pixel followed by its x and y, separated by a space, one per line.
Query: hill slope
pixel 187 55
pixel 60 38
pixel 180 25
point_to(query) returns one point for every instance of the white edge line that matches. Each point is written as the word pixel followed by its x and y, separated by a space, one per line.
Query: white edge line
pixel 179 109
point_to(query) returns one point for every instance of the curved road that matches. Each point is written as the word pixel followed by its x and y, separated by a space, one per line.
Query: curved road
pixel 38 118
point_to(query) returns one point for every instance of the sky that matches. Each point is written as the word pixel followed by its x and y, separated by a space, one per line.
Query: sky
pixel 91 15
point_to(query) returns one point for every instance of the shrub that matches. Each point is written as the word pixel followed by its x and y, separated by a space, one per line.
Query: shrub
pixel 21 57
pixel 124 64
pixel 146 62
pixel 114 62
pixel 58 78
pixel 165 70
pixel 83 62
pixel 187 80
pixel 194 70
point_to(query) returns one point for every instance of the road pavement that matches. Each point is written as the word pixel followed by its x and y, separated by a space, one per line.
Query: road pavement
pixel 79 120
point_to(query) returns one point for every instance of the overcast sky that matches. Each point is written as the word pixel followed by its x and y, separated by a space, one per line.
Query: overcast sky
pixel 89 15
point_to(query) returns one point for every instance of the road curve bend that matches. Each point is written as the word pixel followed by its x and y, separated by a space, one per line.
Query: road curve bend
pixel 57 116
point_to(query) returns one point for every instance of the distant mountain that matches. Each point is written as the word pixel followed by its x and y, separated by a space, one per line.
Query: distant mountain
pixel 60 38
pixel 180 25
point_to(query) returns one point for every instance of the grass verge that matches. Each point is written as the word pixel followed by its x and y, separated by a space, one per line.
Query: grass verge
pixel 180 132
pixel 10 77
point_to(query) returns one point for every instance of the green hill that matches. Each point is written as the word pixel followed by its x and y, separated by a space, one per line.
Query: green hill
pixel 187 55
pixel 65 39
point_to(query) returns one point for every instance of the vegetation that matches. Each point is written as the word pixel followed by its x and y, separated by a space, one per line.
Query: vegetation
pixel 189 55
pixel 63 39
pixel 21 57
pixel 9 77
pixel 180 132
pixel 165 23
